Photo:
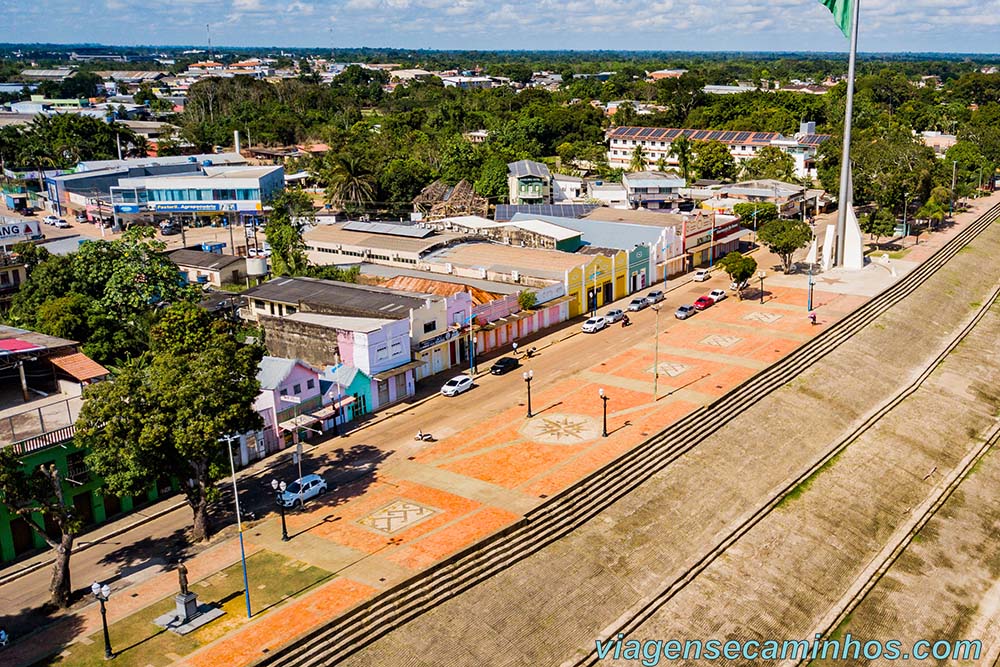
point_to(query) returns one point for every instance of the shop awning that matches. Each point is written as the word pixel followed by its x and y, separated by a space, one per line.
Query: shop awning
pixel 330 411
pixel 79 366
pixel 398 370
pixel 302 421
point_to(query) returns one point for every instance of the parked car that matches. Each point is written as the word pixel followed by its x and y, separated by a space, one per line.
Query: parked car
pixel 701 275
pixel 684 312
pixel 702 302
pixel 51 219
pixel 717 295
pixel 613 316
pixel 457 385
pixel 594 324
pixel 170 230
pixel 655 296
pixel 62 224
pixel 301 490
pixel 504 365
pixel 637 304
pixel 81 217
pixel 742 286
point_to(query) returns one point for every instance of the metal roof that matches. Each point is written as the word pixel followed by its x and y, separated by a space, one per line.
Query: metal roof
pixel 210 261
pixel 339 298
pixel 528 168
pixel 505 212
pixel 389 229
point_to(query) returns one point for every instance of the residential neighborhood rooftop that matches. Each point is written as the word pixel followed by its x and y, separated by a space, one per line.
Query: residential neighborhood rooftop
pixel 339 298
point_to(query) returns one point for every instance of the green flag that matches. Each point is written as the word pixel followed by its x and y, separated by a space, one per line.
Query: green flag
pixel 841 10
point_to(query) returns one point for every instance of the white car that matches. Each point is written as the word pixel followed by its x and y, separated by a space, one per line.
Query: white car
pixel 717 295
pixel 701 275
pixel 301 490
pixel 62 224
pixel 594 324
pixel 637 304
pixel 51 219
pixel 613 316
pixel 457 385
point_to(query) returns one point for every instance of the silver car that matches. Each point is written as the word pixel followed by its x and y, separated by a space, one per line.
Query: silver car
pixel 684 312
pixel 613 316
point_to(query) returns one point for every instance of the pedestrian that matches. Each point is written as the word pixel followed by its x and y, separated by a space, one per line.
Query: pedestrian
pixel 4 637
pixel 812 318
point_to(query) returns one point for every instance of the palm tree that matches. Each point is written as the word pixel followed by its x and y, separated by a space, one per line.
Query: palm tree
pixel 349 183
pixel 681 149
pixel 638 162
pixel 932 211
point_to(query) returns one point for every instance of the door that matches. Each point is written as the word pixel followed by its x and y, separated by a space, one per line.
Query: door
pixel 84 508
pixel 383 393
pixel 112 506
pixel 21 534
pixel 608 292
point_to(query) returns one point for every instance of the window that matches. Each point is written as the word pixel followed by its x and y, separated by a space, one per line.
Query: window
pixel 381 353
pixel 397 348
pixel 289 310
pixel 310 383
pixel 297 389
pixel 284 392
pixel 257 303
pixel 429 327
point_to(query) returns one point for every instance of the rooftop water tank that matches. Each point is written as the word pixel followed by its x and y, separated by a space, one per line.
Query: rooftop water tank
pixel 256 266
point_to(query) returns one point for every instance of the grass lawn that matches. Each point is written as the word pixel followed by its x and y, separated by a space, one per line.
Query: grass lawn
pixel 138 643
pixel 893 254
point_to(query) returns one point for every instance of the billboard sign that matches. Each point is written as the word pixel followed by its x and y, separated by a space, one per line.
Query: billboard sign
pixel 13 230
pixel 188 208
pixel 127 208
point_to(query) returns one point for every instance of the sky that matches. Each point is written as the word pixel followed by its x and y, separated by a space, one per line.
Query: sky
pixel 964 26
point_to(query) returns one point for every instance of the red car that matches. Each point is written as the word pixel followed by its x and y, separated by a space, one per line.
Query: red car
pixel 703 302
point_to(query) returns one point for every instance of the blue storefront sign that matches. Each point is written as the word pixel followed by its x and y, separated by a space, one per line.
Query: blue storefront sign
pixel 190 208
pixel 127 208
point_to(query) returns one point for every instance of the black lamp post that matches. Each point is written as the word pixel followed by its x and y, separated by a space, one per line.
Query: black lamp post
pixel 604 400
pixel 102 593
pixel 761 275
pixel 527 375
pixel 279 488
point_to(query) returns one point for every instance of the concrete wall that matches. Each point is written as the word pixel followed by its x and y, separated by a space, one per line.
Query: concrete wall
pixel 313 344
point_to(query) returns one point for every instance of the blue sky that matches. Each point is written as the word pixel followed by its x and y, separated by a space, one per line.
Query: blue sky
pixel 703 25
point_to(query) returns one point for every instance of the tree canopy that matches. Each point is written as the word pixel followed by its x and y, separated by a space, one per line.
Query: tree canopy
pixel 783 237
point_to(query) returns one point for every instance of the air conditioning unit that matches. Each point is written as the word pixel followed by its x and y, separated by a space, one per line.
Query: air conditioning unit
pixel 448 268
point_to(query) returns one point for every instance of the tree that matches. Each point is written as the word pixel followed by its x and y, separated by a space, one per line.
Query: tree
pixel 754 215
pixel 39 497
pixel 163 415
pixel 291 211
pixel 349 183
pixel 638 162
pixel 770 162
pixel 713 160
pixel 681 148
pixel 932 211
pixel 492 181
pixel 878 224
pixel 784 237
pixel 740 269
pixel 527 300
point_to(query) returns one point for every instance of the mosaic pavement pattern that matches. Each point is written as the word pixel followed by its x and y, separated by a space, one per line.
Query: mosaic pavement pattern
pixel 766 318
pixel 396 516
pixel 561 429
pixel 719 340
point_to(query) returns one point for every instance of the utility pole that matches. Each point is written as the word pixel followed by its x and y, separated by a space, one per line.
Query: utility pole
pixel 951 204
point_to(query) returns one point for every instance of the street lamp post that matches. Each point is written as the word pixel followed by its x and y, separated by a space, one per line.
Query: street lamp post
pixel 656 350
pixel 604 400
pixel 296 401
pixel 279 489
pixel 102 593
pixel 906 204
pixel 239 522
pixel 760 276
pixel 528 375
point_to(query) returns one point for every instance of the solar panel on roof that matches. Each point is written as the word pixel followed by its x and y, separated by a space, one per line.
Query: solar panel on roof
pixel 699 135
pixel 743 136
pixel 728 136
pixel 411 231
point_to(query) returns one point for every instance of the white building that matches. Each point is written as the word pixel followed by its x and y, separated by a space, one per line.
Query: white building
pixel 743 145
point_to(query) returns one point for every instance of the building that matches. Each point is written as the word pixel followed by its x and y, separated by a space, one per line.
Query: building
pixel 289 388
pixel 656 142
pixel 506 212
pixel 666 74
pixel 237 193
pixel 525 232
pixel 652 189
pixel 568 189
pixel 529 182
pixel 434 324
pixel 477 136
pixel 377 242
pixel 938 141
pixel 209 268
pixel 467 82
pixel 611 195
pixel 789 198
pixel 654 252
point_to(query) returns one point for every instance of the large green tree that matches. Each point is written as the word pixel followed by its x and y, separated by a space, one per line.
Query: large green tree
pixel 784 237
pixel 350 184
pixel 770 162
pixel 712 160
pixel 878 223
pixel 740 269
pixel 291 211
pixel 38 496
pixel 754 215
pixel 682 149
pixel 164 414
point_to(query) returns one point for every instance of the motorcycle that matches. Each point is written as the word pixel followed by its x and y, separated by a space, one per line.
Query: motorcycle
pixel 626 322
pixel 425 437
pixel 530 352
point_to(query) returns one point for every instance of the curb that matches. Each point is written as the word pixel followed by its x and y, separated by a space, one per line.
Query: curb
pixel 86 545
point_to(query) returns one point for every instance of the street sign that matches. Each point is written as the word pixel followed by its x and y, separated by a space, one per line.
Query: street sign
pixel 291 399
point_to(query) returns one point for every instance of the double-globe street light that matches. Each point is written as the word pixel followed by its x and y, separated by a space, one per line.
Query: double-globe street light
pixel 760 276
pixel 527 375
pixel 102 593
pixel 279 490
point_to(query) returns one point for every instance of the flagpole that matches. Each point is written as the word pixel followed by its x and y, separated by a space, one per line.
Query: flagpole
pixel 845 159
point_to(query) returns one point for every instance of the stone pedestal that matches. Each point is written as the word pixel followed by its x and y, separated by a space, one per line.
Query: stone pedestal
pixel 187 606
